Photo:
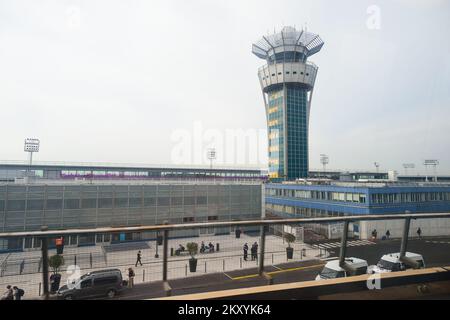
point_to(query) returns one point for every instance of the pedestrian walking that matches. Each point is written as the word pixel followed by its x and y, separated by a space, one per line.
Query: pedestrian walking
pixel 138 259
pixel 374 234
pixel 388 234
pixel 131 276
pixel 419 232
pixel 256 250
pixel 245 251
pixel 8 294
pixel 18 293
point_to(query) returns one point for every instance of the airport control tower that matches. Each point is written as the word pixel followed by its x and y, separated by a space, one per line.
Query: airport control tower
pixel 287 82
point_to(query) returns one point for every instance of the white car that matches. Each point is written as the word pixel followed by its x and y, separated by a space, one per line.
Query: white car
pixel 332 269
pixel 391 263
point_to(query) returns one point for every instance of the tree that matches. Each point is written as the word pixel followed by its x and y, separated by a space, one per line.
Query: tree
pixel 290 238
pixel 55 262
pixel 192 247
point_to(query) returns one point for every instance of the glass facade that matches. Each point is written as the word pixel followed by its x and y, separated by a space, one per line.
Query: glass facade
pixel 297 132
pixel 276 134
pixel 28 207
pixel 288 126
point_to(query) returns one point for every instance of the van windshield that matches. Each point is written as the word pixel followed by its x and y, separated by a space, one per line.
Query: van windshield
pixel 388 265
pixel 328 273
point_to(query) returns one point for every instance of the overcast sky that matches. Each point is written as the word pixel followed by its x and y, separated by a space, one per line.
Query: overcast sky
pixel 122 81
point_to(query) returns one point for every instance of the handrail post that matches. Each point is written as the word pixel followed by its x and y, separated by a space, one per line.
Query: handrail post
pixel 262 250
pixel 343 250
pixel 165 253
pixel 404 243
pixel 44 250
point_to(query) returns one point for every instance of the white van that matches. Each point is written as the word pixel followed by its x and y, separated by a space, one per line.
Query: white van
pixel 391 263
pixel 332 269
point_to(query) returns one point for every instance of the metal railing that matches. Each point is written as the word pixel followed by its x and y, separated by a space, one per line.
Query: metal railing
pixel 263 225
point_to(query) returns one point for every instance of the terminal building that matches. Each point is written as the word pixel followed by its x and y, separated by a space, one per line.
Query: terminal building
pixel 81 196
pixel 332 199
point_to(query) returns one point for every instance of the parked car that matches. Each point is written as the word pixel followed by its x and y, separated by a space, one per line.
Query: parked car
pixel 332 270
pixel 391 263
pixel 103 283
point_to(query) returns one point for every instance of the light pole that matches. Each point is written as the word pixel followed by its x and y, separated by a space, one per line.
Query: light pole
pixel 377 166
pixel 211 154
pixel 433 163
pixel 407 166
pixel 31 145
pixel 324 160
pixel 157 240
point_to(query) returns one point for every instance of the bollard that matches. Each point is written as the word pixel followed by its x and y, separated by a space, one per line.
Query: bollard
pixel 90 258
pixel 240 262
pixel 272 258
pixel 185 269
pixel 75 260
pixel 171 252
pixel 217 246
pixel 40 284
pixel 223 264
pixel 143 275
pixel 205 266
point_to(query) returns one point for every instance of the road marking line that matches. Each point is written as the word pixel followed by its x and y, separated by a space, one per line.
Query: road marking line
pixel 280 271
pixel 228 276
pixel 277 267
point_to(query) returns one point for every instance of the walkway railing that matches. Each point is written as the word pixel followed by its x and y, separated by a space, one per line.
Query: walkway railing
pixel 271 250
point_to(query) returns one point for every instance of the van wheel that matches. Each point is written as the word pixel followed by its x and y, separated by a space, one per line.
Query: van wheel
pixel 111 293
pixel 68 297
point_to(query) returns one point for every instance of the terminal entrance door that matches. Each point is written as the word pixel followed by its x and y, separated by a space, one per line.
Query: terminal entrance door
pixel 206 231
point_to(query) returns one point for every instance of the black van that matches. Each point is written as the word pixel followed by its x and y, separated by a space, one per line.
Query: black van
pixel 103 283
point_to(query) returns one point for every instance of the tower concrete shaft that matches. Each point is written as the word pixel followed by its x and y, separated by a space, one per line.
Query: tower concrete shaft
pixel 287 82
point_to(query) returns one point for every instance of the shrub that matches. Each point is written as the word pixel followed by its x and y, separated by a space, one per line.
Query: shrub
pixel 289 237
pixel 192 247
pixel 55 262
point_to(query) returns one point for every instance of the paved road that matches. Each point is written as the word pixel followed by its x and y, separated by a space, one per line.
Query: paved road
pixel 436 252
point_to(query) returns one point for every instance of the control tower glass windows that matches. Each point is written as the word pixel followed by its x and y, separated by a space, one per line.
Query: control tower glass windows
pixel 287 56
pixel 297 132
pixel 276 135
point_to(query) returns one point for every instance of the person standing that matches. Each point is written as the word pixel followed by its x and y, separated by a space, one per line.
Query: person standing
pixel 18 293
pixel 131 276
pixel 138 259
pixel 256 250
pixel 245 251
pixel 419 232
pixel 8 294
pixel 388 234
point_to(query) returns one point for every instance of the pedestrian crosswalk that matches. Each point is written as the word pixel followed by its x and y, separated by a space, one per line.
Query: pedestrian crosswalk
pixel 440 242
pixel 337 244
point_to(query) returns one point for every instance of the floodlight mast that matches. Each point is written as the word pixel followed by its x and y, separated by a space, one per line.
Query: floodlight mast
pixel 431 162
pixel 324 160
pixel 407 166
pixel 31 145
pixel 377 166
pixel 211 154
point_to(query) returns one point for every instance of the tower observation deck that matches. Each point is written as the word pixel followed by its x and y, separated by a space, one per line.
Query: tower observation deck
pixel 287 82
